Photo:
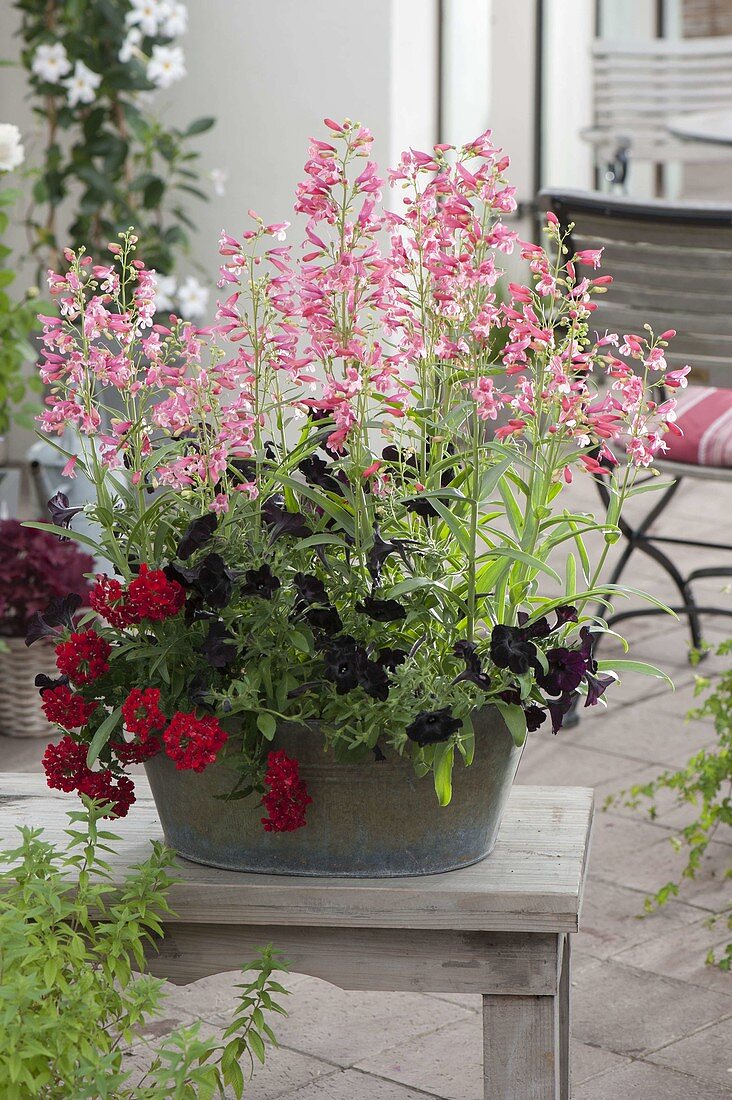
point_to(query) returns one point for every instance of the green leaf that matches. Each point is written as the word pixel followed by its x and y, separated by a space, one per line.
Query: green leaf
pixel 515 719
pixel 266 724
pixel 443 762
pixel 102 735
pixel 641 667
pixel 199 126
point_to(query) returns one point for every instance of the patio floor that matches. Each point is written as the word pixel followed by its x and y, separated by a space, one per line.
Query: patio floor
pixel 650 1020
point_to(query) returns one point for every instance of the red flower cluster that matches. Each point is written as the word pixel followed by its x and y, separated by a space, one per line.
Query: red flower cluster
pixel 150 595
pixel 192 742
pixel 287 798
pixel 66 770
pixel 84 657
pixel 142 713
pixel 107 598
pixel 65 708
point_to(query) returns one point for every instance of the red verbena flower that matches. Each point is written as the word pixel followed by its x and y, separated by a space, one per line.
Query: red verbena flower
pixel 141 712
pixel 287 798
pixel 151 595
pixel 65 764
pixel 192 742
pixel 107 598
pixel 84 657
pixel 136 751
pixel 62 706
pixel 103 787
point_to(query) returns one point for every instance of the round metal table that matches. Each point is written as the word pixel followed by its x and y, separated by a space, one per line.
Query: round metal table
pixel 709 127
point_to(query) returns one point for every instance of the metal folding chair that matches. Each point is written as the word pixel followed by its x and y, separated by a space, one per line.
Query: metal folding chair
pixel 672 266
pixel 637 87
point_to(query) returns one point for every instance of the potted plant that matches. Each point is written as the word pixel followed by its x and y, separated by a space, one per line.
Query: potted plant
pixel 336 517
pixel 36 570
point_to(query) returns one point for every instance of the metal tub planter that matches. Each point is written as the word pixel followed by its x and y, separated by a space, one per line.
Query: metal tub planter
pixel 375 819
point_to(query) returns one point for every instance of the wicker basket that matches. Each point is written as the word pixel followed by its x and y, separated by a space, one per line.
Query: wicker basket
pixel 20 703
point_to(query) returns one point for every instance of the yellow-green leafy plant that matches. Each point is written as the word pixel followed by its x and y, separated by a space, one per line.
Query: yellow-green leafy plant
pixel 70 1000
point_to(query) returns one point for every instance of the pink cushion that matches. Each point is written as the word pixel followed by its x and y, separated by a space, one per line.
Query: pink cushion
pixel 704 415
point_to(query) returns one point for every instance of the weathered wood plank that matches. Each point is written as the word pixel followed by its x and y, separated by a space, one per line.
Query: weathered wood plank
pixel 520 1048
pixel 370 958
pixel 531 882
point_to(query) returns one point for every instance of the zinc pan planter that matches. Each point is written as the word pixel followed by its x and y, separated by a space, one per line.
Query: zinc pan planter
pixel 374 819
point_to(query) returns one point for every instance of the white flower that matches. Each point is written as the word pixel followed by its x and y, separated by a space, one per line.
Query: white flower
pixel 50 62
pixel 147 14
pixel 166 65
pixel 218 179
pixel 192 299
pixel 12 153
pixel 82 84
pixel 130 45
pixel 164 292
pixel 175 19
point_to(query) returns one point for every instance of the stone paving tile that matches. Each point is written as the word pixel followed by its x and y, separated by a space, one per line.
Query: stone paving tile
pixel 681 954
pixel 706 1054
pixel 632 1012
pixel 652 867
pixel 344 1027
pixel 613 919
pixel 448 1062
pixel 214 998
pixel 588 1062
pixel 548 761
pixel 642 1081
pixel 354 1085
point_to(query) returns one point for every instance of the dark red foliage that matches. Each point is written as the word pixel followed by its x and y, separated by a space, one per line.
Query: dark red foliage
pixel 34 568
pixel 287 797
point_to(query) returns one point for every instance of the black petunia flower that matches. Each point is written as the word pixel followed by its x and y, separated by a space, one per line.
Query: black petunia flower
pixel 473 668
pixel 535 717
pixel 382 611
pixel 199 692
pixel 325 619
pixel 260 582
pixel 59 614
pixel 198 532
pixel 511 648
pixel 343 659
pixel 211 579
pixel 281 522
pixel 310 589
pixel 565 614
pixel 318 472
pixel 61 514
pixel 558 709
pixel 44 682
pixel 433 726
pixel 596 687
pixel 219 647
pixel 391 658
pixel 565 672
pixel 538 629
pixel 382 549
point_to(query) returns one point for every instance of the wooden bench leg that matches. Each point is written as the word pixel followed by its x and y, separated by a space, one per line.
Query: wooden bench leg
pixel 526 1043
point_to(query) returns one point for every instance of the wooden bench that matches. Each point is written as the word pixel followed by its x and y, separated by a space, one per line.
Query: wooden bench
pixel 500 928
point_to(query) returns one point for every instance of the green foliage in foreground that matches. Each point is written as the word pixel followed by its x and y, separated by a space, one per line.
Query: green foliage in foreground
pixel 69 1002
pixel 705 782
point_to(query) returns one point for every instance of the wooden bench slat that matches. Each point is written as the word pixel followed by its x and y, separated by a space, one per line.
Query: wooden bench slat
pixel 531 882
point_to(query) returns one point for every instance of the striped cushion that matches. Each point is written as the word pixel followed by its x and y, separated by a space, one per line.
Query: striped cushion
pixel 705 417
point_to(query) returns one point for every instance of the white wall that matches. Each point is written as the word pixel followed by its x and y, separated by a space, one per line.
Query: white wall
pixel 269 73
pixel 567 159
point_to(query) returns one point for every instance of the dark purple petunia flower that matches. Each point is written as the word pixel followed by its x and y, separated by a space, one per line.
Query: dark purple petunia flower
pixel 565 614
pixel 347 665
pixel 381 611
pixel 433 726
pixel 310 590
pixel 44 682
pixel 198 532
pixel 558 709
pixel 58 615
pixel 219 646
pixel 473 667
pixel 538 629
pixel 325 619
pixel 318 472
pixel 313 602
pixel 511 648
pixel 565 672
pixel 382 549
pixel 391 658
pixel 61 514
pixel 281 522
pixel 211 579
pixel 596 686
pixel 535 717
pixel 260 582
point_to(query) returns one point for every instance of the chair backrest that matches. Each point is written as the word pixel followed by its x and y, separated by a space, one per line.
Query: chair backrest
pixel 639 86
pixel 672 268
